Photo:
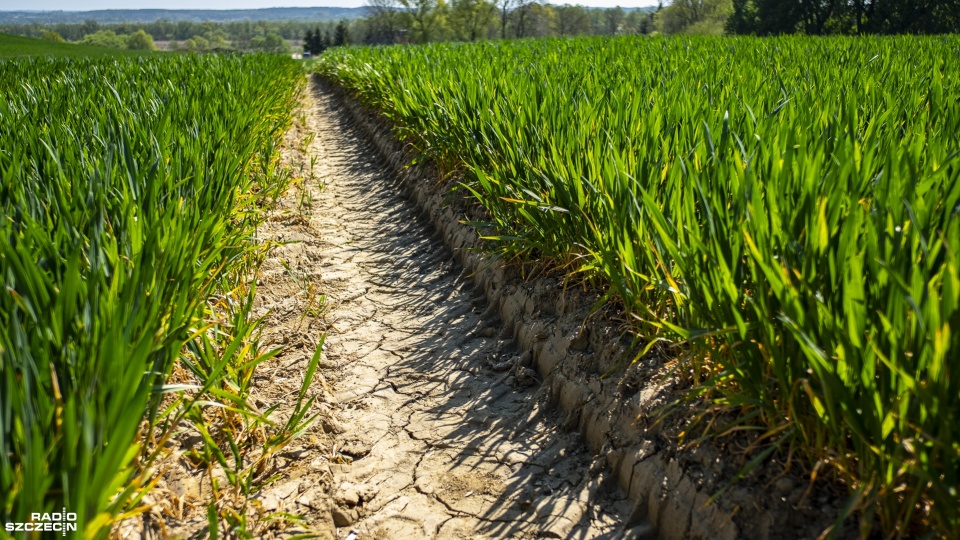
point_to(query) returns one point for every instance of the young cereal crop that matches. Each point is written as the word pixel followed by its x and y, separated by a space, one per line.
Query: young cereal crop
pixel 128 196
pixel 787 207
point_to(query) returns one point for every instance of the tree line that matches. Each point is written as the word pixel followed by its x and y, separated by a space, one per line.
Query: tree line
pixel 421 21
pixel 387 22
pixel 767 17
pixel 317 40
pixel 270 36
pixel 417 21
pixel 164 30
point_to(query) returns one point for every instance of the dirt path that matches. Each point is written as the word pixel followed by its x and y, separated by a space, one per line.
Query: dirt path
pixel 434 441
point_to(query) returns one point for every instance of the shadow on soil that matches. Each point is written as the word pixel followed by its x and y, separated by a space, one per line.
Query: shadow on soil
pixel 492 449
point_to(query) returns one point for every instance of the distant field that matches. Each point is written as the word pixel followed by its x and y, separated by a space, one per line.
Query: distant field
pixel 20 47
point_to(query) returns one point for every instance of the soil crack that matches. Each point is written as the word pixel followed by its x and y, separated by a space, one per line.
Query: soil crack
pixel 446 447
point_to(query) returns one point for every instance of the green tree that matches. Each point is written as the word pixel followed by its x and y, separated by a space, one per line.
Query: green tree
pixel 895 17
pixel 615 19
pixel 571 20
pixel 766 17
pixel 196 44
pixel 693 17
pixel 315 42
pixel 638 21
pixel 424 17
pixel 504 10
pixel 521 16
pixel 272 43
pixel 50 35
pixel 471 19
pixel 309 41
pixel 384 21
pixel 89 26
pixel 544 20
pixel 105 38
pixel 744 19
pixel 341 36
pixel 532 19
pixel 216 36
pixel 141 41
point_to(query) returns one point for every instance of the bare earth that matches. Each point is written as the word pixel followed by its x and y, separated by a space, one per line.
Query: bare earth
pixel 426 438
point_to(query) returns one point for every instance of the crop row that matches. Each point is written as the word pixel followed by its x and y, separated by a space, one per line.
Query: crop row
pixel 129 192
pixel 786 207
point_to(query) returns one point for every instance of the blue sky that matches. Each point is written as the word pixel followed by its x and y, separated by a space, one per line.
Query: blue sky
pixel 86 5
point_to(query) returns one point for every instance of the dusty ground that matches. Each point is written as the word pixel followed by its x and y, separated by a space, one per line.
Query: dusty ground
pixel 436 444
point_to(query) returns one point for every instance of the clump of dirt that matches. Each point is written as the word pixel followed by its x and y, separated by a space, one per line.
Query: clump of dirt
pixel 463 485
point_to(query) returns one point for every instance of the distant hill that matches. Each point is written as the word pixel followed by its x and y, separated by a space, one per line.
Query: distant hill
pixel 108 16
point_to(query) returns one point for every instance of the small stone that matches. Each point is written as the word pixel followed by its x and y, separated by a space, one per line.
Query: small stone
pixel 288 489
pixel 309 496
pixel 270 503
pixel 344 517
pixel 580 341
pixel 355 449
pixel 347 495
pixel 784 485
pixel 526 376
pixel 525 360
pixel 644 531
pixel 368 492
pixel 331 425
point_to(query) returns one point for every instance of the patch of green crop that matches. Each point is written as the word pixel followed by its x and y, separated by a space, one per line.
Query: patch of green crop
pixel 21 47
pixel 130 189
pixel 788 208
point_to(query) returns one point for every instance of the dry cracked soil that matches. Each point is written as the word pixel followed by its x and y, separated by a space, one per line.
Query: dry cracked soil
pixel 423 435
